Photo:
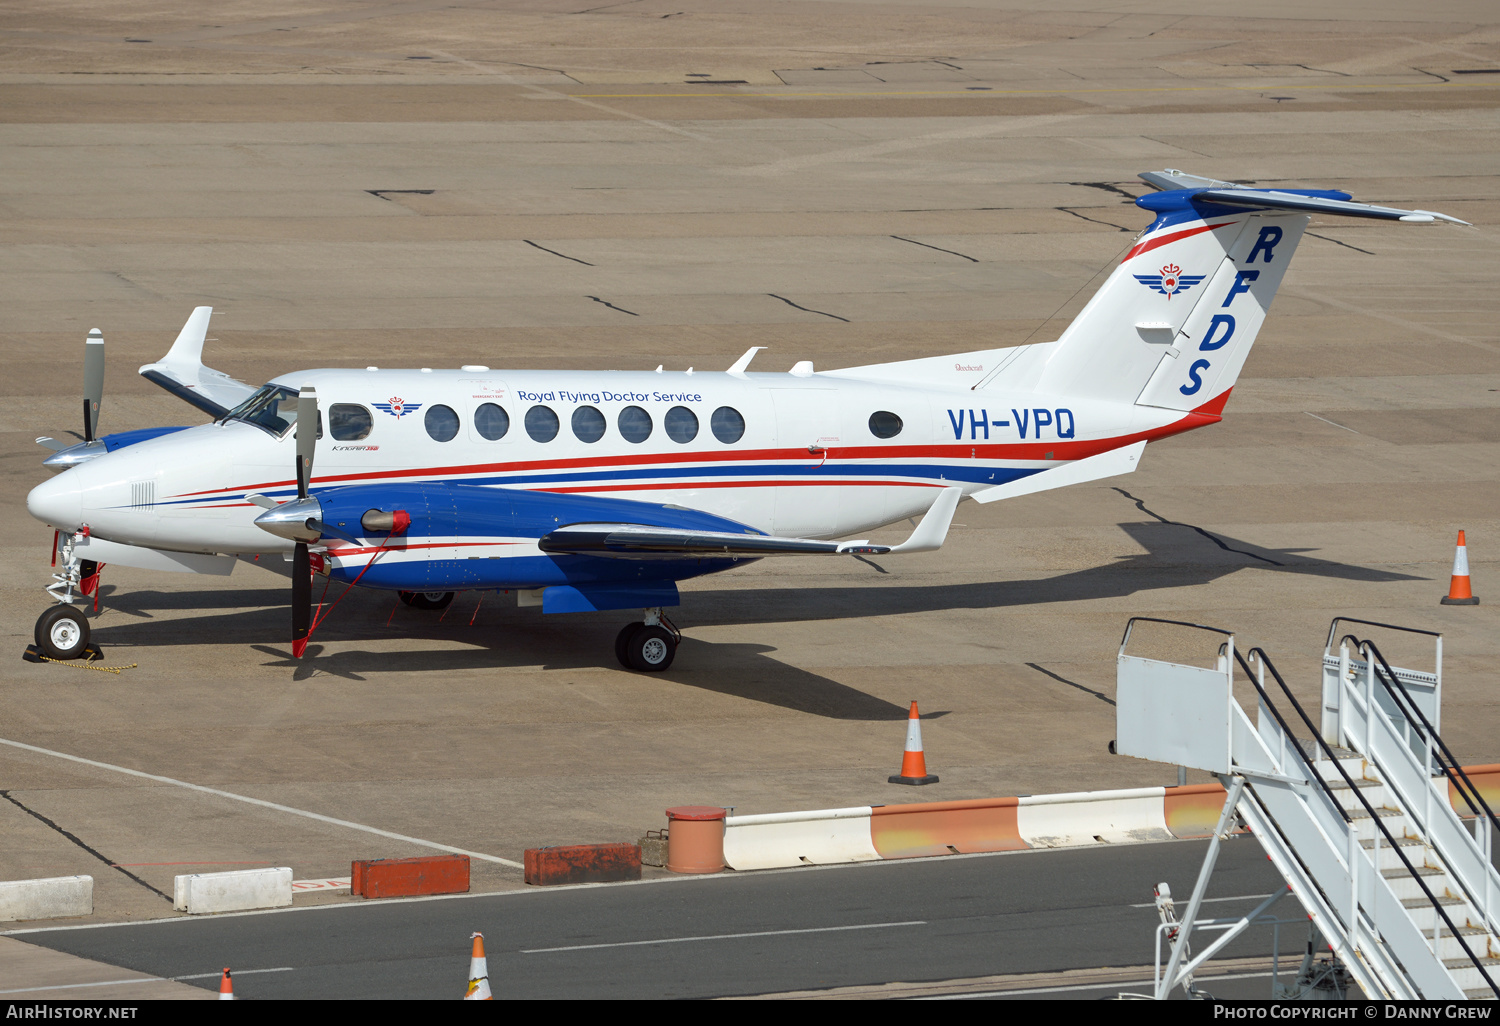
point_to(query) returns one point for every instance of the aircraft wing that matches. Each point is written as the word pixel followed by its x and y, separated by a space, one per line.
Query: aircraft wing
pixel 182 373
pixel 645 541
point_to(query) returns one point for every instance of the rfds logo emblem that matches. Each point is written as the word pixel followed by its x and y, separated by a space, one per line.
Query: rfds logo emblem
pixel 397 407
pixel 1170 281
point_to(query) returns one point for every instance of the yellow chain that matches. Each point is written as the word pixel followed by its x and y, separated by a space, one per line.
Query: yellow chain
pixel 87 666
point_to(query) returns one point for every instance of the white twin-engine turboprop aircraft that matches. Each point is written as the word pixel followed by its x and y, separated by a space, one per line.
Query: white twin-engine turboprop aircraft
pixel 594 490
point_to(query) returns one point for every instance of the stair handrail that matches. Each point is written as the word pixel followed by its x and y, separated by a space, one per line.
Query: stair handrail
pixel 1265 660
pixel 1446 760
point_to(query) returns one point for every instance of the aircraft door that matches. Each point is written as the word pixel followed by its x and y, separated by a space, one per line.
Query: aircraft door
pixel 807 434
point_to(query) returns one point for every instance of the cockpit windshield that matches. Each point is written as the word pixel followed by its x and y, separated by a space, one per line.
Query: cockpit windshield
pixel 273 407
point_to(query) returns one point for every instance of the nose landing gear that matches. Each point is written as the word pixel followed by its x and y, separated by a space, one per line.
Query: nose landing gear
pixel 650 645
pixel 62 631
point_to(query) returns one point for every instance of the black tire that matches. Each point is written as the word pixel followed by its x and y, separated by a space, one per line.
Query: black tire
pixel 651 649
pixel 406 597
pixel 622 643
pixel 431 599
pixel 62 632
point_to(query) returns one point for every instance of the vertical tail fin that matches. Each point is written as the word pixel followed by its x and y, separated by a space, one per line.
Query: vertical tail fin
pixel 1173 324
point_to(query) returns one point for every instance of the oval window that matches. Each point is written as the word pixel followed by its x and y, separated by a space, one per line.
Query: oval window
pixel 491 421
pixel 349 423
pixel 884 424
pixel 541 423
pixel 588 423
pixel 634 424
pixel 441 422
pixel 681 424
pixel 727 425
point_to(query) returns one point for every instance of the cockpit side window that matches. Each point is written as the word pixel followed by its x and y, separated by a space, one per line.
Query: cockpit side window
pixel 272 407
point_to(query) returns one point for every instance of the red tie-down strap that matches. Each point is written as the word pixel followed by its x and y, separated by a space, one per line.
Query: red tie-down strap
pixel 402 520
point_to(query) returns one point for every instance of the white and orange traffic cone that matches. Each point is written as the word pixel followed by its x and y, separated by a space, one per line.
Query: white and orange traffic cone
pixel 1459 592
pixel 479 973
pixel 226 987
pixel 913 762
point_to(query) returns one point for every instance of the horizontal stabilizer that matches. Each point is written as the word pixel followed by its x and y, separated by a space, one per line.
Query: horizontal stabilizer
pixel 1106 464
pixel 182 373
pixel 1181 189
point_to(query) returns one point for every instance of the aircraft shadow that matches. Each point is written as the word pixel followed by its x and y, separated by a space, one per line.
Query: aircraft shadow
pixel 498 636
pixel 1176 556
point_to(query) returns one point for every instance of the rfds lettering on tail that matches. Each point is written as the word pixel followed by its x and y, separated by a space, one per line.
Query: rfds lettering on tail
pixel 587 491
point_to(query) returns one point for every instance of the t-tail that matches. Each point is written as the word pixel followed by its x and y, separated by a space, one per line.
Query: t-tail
pixel 1172 326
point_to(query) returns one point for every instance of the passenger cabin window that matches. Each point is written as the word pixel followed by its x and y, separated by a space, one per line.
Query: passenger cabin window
pixel 492 422
pixel 884 424
pixel 727 425
pixel 541 423
pixel 441 423
pixel 681 424
pixel 634 424
pixel 349 423
pixel 588 424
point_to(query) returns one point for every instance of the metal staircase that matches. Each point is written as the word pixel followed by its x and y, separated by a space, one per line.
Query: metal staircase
pixel 1358 820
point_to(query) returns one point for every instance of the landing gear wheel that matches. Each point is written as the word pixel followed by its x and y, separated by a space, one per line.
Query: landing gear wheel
pixel 622 643
pixel 427 599
pixel 62 632
pixel 650 648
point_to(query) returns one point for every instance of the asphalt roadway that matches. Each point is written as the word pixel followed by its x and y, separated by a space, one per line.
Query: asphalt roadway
pixel 967 917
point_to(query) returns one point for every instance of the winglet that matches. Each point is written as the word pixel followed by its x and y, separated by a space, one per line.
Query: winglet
pixel 738 370
pixel 188 349
pixel 933 530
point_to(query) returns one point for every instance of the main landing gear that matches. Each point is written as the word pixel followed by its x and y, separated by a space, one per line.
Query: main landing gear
pixel 426 599
pixel 648 646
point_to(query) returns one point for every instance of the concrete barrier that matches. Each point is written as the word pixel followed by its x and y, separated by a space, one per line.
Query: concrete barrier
pixel 1093 817
pixel 582 863
pixel 780 839
pixel 198 893
pixel 50 898
pixel 946 828
pixel 400 878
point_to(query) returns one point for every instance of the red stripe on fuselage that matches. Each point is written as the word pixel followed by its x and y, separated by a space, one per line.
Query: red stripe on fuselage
pixel 1061 451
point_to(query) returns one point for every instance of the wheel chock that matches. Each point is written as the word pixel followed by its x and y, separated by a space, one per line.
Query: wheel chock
pixel 32 655
pixel 91 653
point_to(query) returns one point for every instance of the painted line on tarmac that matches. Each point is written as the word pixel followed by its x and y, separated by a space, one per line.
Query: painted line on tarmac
pixel 265 804
pixel 721 936
pixel 1082 986
pixel 145 979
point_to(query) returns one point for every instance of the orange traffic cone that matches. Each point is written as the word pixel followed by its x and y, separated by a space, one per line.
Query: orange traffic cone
pixel 1459 593
pixel 479 973
pixel 226 988
pixel 913 762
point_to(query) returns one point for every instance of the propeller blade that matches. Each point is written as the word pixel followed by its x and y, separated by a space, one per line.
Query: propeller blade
pixel 263 501
pixel 307 436
pixel 301 599
pixel 93 383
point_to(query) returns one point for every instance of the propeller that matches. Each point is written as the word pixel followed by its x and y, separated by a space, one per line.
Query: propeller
pixel 93 382
pixel 68 454
pixel 307 437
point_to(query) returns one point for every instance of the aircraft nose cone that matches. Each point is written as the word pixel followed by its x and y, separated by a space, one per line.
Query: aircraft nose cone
pixel 58 502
